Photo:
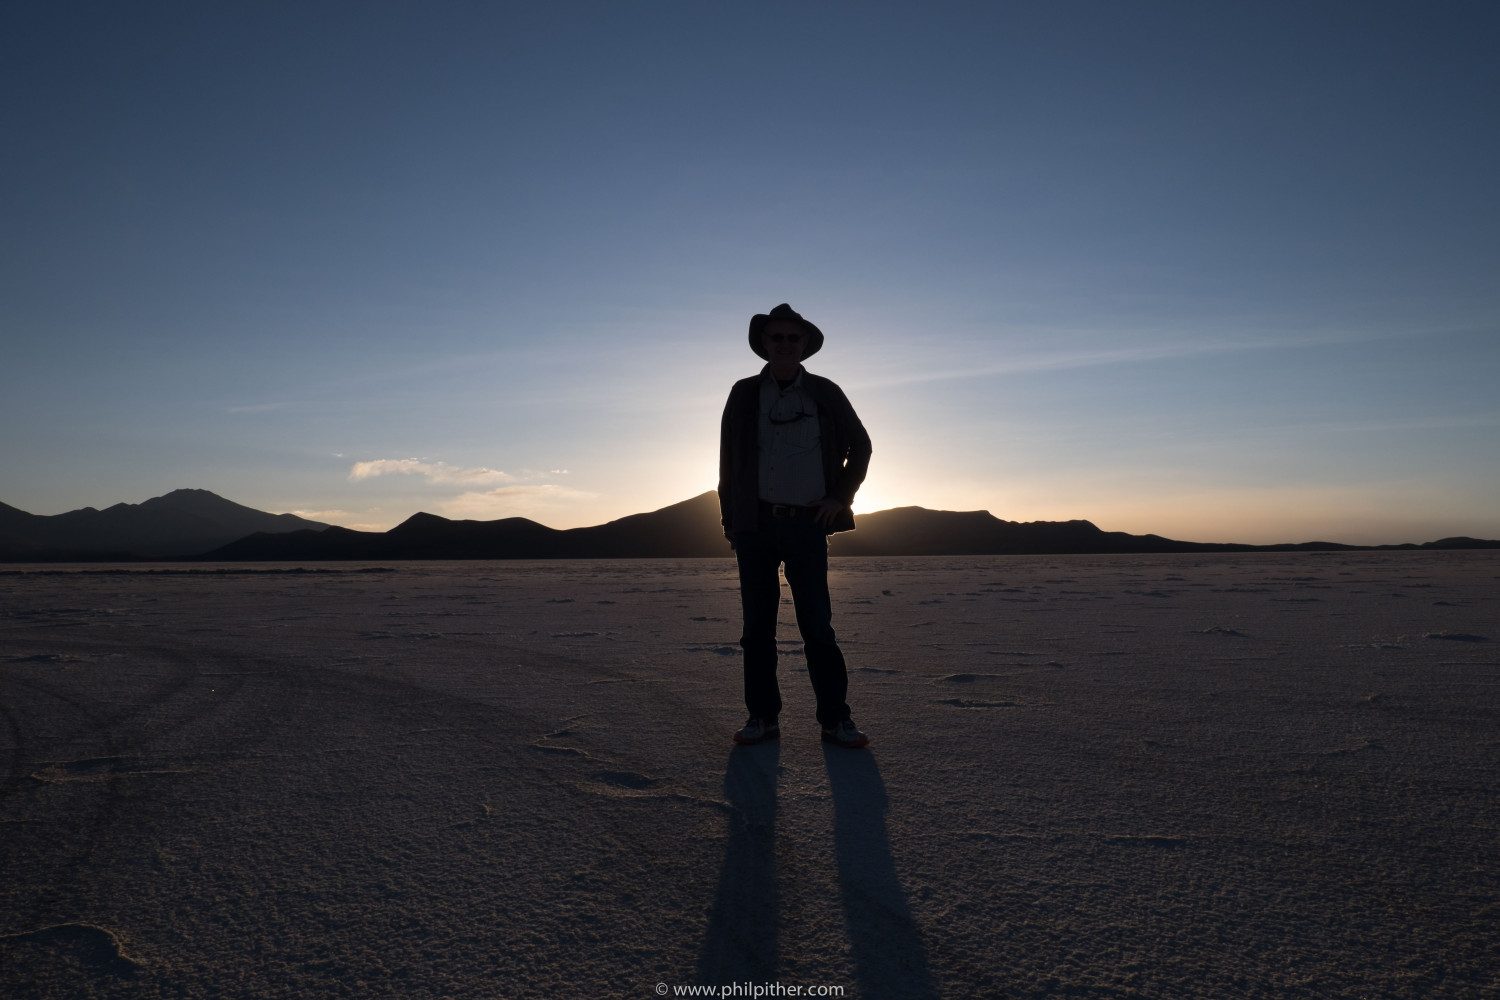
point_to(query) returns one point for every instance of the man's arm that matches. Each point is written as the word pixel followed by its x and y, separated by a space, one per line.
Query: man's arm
pixel 849 458
pixel 726 467
pixel 857 450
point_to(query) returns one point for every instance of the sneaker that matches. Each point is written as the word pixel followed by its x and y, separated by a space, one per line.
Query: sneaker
pixel 757 730
pixel 845 734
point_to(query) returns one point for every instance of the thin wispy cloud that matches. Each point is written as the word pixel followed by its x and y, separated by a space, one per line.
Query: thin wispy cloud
pixel 1388 426
pixel 258 407
pixel 432 472
pixel 1095 358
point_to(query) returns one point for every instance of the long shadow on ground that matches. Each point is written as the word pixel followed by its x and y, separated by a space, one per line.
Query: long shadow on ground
pixel 741 945
pixel 890 962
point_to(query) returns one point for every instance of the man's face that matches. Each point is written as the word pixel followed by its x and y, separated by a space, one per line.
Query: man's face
pixel 784 341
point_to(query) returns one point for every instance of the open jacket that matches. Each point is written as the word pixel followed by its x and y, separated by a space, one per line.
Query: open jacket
pixel 845 446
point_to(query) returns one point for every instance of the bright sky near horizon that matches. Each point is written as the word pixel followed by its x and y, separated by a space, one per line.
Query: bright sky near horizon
pixel 1222 272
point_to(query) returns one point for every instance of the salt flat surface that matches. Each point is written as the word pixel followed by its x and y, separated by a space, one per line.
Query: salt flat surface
pixel 1263 775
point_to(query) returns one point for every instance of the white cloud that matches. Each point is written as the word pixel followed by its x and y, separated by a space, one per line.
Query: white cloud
pixel 373 519
pixel 433 472
pixel 511 501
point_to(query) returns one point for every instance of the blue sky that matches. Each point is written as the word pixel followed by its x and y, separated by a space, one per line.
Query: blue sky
pixel 1215 271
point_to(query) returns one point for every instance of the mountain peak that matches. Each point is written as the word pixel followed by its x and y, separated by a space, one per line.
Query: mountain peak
pixel 421 521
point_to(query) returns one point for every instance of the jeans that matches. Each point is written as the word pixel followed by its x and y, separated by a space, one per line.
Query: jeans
pixel 803 546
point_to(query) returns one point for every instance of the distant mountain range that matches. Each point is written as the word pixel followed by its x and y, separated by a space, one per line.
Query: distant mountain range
pixel 199 525
pixel 182 523
pixel 684 530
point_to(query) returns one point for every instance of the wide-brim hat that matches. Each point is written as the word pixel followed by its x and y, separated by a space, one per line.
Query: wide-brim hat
pixel 758 324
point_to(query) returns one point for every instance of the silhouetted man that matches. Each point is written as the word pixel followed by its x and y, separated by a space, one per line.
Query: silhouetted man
pixel 792 453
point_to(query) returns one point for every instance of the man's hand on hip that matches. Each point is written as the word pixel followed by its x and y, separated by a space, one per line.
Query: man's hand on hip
pixel 827 509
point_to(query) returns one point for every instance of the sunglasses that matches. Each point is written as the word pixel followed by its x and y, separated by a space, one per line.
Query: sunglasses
pixel 777 338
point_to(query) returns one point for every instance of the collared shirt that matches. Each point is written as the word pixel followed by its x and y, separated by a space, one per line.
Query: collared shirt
pixel 791 459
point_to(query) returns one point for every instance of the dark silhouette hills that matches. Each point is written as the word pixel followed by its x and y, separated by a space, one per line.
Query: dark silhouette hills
pixel 917 531
pixel 197 524
pixel 684 530
pixel 181 523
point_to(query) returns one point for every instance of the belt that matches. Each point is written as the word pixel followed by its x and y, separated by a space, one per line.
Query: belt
pixel 787 510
